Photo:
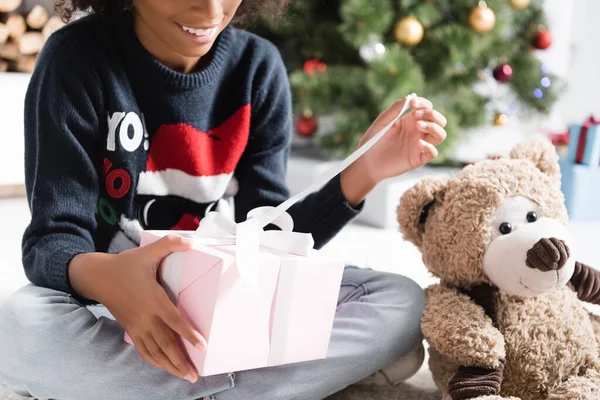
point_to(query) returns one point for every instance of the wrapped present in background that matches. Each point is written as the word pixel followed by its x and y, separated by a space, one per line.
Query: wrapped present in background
pixel 580 171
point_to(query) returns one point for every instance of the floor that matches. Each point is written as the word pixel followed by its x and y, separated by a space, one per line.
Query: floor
pixel 358 244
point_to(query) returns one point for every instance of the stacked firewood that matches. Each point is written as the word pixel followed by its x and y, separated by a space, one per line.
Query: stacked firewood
pixel 23 34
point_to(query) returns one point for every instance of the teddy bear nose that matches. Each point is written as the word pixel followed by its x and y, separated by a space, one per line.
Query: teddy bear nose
pixel 548 254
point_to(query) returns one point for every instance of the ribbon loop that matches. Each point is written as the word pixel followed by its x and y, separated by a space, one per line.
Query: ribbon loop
pixel 285 222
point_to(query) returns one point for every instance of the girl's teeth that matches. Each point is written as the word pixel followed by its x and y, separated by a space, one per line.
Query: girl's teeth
pixel 198 32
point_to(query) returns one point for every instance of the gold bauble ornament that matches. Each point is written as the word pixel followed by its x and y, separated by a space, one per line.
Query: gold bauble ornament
pixel 500 119
pixel 519 4
pixel 482 18
pixel 409 31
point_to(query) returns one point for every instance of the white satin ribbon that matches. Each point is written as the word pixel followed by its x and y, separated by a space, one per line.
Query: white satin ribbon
pixel 248 236
pixel 221 230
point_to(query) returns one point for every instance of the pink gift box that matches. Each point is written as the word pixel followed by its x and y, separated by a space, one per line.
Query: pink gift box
pixel 286 318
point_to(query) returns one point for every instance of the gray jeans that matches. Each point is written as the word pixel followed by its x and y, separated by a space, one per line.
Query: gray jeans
pixel 53 348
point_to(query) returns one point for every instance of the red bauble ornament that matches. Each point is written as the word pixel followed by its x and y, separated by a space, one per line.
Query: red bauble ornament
pixel 311 67
pixel 542 40
pixel 503 73
pixel 306 126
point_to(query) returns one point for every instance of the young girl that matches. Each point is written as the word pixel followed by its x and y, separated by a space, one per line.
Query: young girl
pixel 146 115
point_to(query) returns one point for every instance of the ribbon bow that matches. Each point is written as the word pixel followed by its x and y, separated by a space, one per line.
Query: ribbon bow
pixel 248 236
pixel 217 229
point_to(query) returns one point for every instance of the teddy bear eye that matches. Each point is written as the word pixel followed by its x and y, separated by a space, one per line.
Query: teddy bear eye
pixel 505 228
pixel 532 216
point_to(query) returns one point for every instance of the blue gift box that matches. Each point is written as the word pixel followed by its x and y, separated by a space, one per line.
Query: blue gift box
pixel 581 172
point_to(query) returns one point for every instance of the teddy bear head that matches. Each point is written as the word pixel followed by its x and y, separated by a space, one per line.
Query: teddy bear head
pixel 501 222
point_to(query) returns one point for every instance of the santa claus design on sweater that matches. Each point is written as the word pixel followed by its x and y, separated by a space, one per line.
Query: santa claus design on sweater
pixel 188 173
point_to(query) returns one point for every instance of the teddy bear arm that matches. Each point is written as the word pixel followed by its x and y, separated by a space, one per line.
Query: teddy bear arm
pixel 459 329
pixel 586 283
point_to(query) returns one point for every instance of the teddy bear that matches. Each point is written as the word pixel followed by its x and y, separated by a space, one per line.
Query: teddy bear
pixel 507 318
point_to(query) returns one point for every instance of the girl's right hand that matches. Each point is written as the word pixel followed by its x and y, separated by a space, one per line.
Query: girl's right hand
pixel 126 284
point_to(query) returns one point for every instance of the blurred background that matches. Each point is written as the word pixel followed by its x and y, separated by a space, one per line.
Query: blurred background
pixel 500 70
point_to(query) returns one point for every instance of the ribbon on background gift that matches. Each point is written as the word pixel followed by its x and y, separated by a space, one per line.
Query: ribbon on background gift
pixel 249 236
pixel 583 138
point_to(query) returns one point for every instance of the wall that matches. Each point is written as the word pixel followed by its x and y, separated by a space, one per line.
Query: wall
pixel 12 97
pixel 582 96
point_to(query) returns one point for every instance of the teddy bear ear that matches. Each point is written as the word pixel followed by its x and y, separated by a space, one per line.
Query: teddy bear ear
pixel 415 204
pixel 541 152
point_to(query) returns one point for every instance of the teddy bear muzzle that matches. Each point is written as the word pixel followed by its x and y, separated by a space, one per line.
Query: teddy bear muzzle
pixel 548 254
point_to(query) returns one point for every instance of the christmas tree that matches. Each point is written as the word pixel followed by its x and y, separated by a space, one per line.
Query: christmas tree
pixel 351 59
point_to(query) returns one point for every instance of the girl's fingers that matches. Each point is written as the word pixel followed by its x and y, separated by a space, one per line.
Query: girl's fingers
pixel 161 358
pixel 435 134
pixel 421 103
pixel 431 116
pixel 165 246
pixel 174 320
pixel 141 348
pixel 429 152
pixel 168 343
pixel 388 115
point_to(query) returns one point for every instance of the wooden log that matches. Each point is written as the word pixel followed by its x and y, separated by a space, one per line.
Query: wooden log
pixel 3 66
pixel 3 33
pixel 31 43
pixel 7 6
pixel 53 24
pixel 16 26
pixel 37 17
pixel 9 51
pixel 25 64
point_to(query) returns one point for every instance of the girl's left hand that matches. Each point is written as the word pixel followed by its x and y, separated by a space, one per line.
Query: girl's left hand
pixel 410 144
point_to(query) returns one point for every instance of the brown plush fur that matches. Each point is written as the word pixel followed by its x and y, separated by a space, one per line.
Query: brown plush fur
pixel 549 341
pixel 549 337
pixel 485 342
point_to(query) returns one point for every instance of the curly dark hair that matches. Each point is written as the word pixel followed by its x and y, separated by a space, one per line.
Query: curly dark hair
pixel 248 12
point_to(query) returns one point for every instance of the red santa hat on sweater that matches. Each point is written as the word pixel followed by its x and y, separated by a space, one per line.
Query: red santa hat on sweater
pixel 186 162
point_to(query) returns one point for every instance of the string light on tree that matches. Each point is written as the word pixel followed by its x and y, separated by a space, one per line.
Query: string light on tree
pixel 482 19
pixel 519 4
pixel 545 82
pixel 409 31
pixel 372 50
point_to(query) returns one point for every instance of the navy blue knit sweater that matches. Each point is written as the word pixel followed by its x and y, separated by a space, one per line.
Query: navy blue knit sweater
pixel 116 142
